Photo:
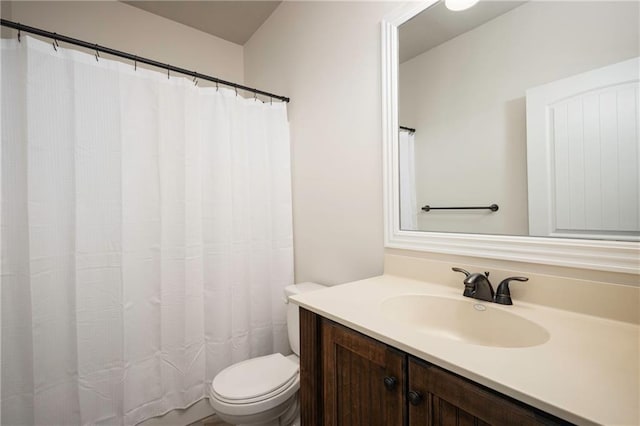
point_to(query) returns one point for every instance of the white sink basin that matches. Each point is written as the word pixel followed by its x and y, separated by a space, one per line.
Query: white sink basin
pixel 470 321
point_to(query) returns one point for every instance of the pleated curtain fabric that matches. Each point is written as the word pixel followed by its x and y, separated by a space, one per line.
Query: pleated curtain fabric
pixel 146 236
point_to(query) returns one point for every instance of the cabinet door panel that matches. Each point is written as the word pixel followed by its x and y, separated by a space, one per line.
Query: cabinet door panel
pixel 452 400
pixel 355 368
pixel 445 413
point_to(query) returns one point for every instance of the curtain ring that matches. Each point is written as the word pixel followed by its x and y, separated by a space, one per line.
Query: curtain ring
pixel 135 63
pixel 270 100
pixel 97 54
pixel 255 96
pixel 195 80
pixel 168 71
pixel 19 41
pixel 236 91
pixel 217 87
pixel 55 43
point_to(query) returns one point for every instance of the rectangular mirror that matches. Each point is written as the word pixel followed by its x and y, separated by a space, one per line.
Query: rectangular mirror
pixel 521 118
pixel 511 131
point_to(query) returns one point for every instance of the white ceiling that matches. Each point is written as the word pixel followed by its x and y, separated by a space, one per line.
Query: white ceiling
pixel 235 21
pixel 438 24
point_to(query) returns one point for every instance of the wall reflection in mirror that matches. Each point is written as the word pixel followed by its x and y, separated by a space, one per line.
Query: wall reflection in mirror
pixel 531 106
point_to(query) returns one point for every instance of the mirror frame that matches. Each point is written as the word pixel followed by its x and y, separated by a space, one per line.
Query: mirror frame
pixel 614 256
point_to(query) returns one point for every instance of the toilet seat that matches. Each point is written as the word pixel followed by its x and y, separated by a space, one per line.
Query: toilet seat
pixel 255 385
pixel 257 398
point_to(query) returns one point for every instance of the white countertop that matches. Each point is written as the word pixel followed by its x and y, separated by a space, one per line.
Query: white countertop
pixel 587 372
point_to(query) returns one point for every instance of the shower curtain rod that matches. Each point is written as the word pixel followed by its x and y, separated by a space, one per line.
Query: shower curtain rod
pixel 62 38
pixel 408 129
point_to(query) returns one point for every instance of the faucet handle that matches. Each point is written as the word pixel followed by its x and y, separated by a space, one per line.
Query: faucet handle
pixel 466 273
pixel 469 289
pixel 503 295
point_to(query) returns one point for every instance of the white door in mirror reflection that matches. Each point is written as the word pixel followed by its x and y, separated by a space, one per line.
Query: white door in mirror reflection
pixel 583 154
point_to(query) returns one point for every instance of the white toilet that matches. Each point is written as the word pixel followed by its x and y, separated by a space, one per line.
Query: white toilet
pixel 264 390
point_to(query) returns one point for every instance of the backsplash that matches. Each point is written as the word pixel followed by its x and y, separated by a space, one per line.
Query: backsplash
pixel 607 295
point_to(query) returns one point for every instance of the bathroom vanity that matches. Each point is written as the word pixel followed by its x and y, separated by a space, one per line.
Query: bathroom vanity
pixel 354 379
pixel 365 362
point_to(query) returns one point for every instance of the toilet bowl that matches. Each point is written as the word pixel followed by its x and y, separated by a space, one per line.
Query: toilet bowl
pixel 263 390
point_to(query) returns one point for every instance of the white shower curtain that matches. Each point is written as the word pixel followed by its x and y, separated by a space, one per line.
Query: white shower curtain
pixel 146 236
pixel 407 167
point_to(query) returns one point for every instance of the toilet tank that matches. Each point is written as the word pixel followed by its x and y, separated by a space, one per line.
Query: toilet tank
pixel 293 315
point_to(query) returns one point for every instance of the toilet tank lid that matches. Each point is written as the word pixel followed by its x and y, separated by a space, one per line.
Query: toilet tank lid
pixel 291 290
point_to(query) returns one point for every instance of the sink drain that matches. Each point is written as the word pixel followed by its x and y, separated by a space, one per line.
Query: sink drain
pixel 479 307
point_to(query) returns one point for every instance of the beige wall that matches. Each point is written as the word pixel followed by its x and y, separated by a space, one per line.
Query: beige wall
pixel 123 27
pixel 466 97
pixel 326 57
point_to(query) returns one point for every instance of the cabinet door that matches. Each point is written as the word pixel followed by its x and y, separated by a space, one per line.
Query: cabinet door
pixel 446 399
pixel 363 379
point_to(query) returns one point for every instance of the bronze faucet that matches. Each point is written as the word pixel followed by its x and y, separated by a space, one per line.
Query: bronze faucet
pixel 478 286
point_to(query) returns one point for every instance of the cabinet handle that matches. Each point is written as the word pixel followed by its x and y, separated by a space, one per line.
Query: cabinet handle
pixel 415 398
pixel 390 382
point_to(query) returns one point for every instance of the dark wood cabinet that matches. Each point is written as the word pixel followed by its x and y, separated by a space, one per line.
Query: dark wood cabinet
pixel 348 378
pixel 448 399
